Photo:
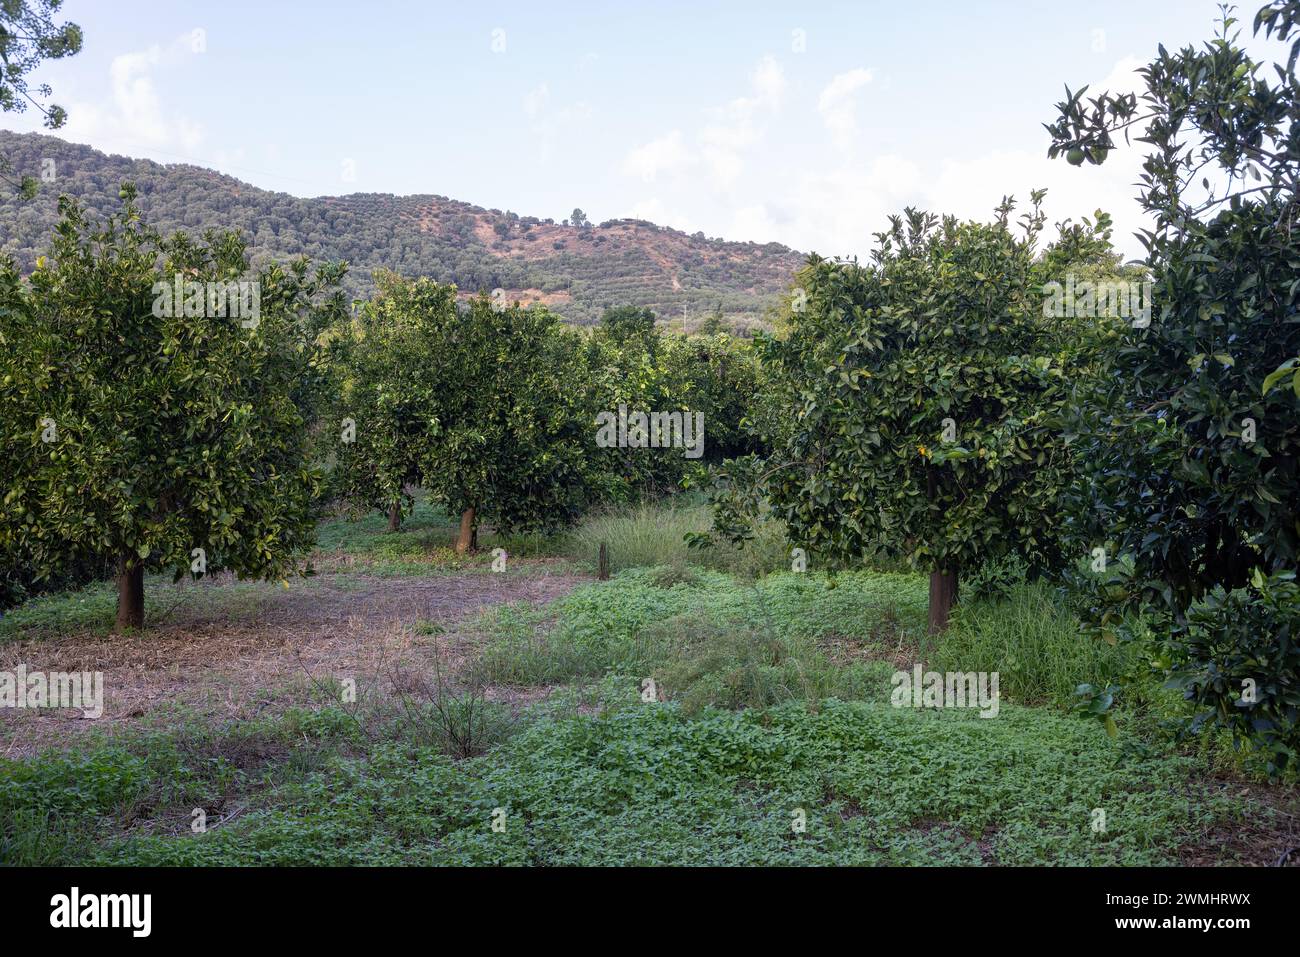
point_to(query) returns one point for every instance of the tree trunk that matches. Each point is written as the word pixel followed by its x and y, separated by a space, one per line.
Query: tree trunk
pixel 943 595
pixel 394 517
pixel 468 538
pixel 130 594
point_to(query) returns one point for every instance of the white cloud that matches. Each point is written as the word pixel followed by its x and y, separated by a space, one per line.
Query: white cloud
pixel 1123 78
pixel 738 126
pixel 835 211
pixel 735 128
pixel 547 124
pixel 783 188
pixel 667 154
pixel 768 81
pixel 726 165
pixel 133 115
pixel 838 105
pixel 535 100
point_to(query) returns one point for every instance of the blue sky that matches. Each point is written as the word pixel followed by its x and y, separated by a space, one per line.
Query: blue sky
pixel 800 122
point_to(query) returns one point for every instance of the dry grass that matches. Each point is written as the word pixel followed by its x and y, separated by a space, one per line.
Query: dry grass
pixel 297 642
pixel 1266 834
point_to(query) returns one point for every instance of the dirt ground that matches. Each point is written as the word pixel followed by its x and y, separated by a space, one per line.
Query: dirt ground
pixel 232 666
pixel 1268 835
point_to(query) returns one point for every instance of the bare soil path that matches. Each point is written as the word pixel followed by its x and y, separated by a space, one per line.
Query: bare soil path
pixel 271 645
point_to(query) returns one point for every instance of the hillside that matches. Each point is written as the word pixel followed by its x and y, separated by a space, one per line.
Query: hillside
pixel 576 271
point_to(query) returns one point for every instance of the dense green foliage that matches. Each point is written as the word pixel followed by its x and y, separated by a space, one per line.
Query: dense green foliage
pixel 144 434
pixel 492 407
pixel 516 439
pixel 1236 655
pixel 928 392
pixel 1191 457
pixel 486 407
pixel 634 364
pixel 390 409
pixel 643 785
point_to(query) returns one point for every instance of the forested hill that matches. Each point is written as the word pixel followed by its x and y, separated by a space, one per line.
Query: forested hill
pixel 576 270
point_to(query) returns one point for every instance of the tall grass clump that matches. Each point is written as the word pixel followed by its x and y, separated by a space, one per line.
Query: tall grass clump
pixel 1032 640
pixel 653 533
pixel 747 666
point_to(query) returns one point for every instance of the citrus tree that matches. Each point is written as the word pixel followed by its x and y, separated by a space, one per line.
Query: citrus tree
pixel 924 395
pixel 392 404
pixel 517 433
pixel 719 376
pixel 156 428
pixel 487 406
pixel 636 367
pixel 1192 452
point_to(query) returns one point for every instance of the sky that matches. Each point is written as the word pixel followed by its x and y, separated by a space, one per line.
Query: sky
pixel 804 123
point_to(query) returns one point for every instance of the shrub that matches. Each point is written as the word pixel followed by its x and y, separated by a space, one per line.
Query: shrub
pixel 1237 657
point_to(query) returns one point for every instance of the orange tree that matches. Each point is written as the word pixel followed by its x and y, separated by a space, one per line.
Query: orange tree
pixel 487 406
pixel 155 432
pixel 391 405
pixel 1192 449
pixel 517 422
pixel 923 397
pixel 634 364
